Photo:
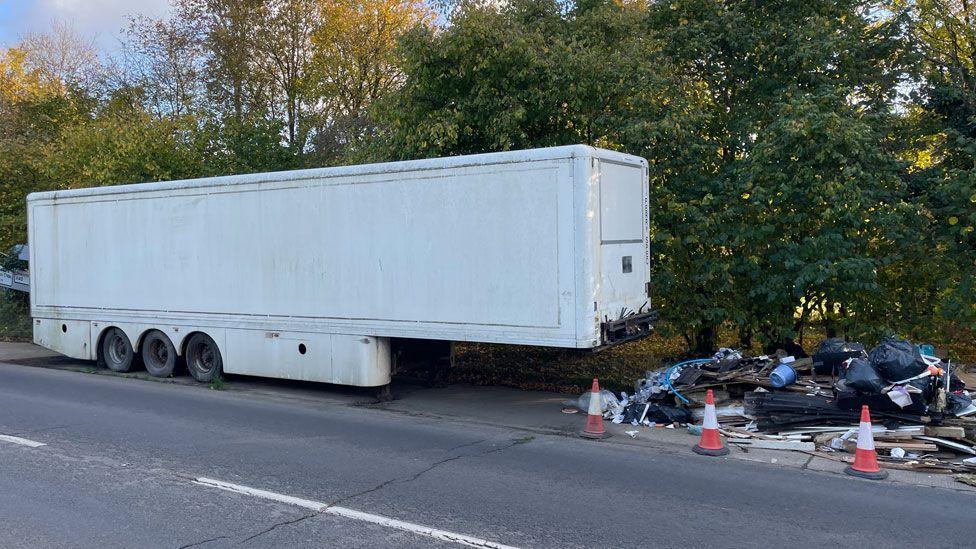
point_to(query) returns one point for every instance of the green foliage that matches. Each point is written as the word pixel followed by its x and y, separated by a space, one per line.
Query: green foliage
pixel 15 322
pixel 526 75
pixel 217 383
pixel 944 150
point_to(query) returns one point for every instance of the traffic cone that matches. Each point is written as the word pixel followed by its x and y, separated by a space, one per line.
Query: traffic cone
pixel 710 444
pixel 865 457
pixel 594 417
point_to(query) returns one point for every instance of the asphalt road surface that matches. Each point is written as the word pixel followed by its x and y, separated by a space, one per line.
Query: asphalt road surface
pixel 123 459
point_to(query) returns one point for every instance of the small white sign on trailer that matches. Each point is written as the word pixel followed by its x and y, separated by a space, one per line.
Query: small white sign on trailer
pixel 307 274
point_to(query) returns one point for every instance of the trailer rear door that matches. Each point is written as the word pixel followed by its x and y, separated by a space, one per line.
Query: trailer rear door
pixel 624 240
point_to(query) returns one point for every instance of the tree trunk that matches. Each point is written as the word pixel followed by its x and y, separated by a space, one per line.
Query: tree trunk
pixel 705 341
pixel 745 337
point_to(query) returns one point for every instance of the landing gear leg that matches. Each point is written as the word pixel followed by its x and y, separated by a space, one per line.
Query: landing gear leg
pixel 385 393
pixel 440 372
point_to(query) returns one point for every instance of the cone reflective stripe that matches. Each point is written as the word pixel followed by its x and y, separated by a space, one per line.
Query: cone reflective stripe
pixel 865 457
pixel 594 417
pixel 595 408
pixel 710 443
pixel 711 418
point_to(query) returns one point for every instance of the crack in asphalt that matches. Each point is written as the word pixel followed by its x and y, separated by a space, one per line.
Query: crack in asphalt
pixel 198 543
pixel 465 445
pixel 279 524
pixel 414 476
pixel 398 480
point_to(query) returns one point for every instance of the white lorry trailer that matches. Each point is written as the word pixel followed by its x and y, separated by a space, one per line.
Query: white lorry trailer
pixel 311 274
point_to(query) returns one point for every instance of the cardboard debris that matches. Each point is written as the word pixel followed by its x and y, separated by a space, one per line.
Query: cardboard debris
pixel 966 479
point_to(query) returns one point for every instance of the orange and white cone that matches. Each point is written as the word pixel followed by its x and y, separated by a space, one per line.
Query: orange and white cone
pixel 594 417
pixel 865 457
pixel 710 444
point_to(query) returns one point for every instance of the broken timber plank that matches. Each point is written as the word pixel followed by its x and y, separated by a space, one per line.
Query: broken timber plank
pixel 776 444
pixel 921 446
pixel 945 431
pixel 964 448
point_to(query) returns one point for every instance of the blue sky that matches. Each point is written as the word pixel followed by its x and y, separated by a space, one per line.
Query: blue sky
pixel 96 19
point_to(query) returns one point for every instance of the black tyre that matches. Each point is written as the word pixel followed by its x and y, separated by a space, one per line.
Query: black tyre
pixel 116 351
pixel 158 354
pixel 203 358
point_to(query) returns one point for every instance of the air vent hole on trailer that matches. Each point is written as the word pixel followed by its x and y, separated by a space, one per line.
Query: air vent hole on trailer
pixel 64 328
pixel 302 348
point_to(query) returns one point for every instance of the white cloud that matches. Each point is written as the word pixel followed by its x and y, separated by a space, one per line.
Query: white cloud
pixel 100 20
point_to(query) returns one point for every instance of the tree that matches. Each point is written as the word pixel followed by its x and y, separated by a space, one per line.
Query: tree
pixel 314 67
pixel 227 31
pixel 524 74
pixel 37 78
pixel 356 63
pixel 944 171
pixel 801 182
pixel 285 49
pixel 18 81
pixel 164 58
pixel 63 56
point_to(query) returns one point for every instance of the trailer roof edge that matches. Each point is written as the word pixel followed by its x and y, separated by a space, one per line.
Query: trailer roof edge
pixel 525 155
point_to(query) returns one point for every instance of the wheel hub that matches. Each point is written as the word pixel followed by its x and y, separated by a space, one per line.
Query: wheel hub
pixel 159 352
pixel 118 350
pixel 205 358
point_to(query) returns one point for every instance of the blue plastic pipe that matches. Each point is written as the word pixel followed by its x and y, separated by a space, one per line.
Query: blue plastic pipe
pixel 667 375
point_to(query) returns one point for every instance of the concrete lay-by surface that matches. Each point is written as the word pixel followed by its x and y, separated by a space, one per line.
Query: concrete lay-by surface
pixel 121 461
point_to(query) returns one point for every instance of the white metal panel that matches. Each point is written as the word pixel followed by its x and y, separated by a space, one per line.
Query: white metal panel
pixel 621 203
pixel 624 240
pixel 477 247
pixel 361 361
pixel 620 289
pixel 587 245
pixel 277 354
pixel 68 337
pixel 331 358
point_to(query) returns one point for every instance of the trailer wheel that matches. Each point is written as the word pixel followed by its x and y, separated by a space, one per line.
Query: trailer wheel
pixel 203 358
pixel 158 354
pixel 116 351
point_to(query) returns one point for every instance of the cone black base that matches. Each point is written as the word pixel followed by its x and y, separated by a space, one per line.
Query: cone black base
pixel 594 436
pixel 880 475
pixel 707 452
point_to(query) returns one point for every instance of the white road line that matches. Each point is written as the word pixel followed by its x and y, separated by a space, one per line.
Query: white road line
pixel 320 507
pixel 443 535
pixel 306 503
pixel 22 441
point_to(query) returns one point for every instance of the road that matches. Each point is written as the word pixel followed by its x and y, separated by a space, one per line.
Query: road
pixel 122 459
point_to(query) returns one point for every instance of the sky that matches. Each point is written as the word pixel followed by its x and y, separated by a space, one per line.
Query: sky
pixel 99 20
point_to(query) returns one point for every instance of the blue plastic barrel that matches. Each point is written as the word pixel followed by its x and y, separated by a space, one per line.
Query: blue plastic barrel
pixel 782 376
